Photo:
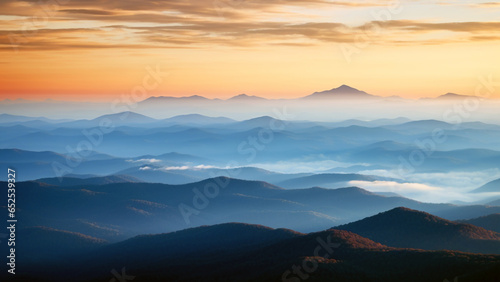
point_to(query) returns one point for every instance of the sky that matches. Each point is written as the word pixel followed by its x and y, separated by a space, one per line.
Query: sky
pixel 96 50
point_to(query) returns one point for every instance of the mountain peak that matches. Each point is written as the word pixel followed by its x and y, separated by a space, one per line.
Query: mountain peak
pixel 198 97
pixel 449 96
pixel 345 87
pixel 492 186
pixel 407 228
pixel 452 96
pixel 128 116
pixel 342 92
pixel 245 97
pixel 155 99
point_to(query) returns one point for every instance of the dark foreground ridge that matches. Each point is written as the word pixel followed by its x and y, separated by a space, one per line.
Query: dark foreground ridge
pixel 246 252
pixel 406 228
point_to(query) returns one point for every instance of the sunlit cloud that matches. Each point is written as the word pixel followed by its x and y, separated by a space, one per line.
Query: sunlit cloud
pixel 196 23
pixel 487 5
pixel 178 31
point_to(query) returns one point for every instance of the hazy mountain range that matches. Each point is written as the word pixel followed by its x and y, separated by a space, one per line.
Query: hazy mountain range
pixel 340 103
pixel 341 92
pixel 253 189
pixel 128 208
pixel 290 154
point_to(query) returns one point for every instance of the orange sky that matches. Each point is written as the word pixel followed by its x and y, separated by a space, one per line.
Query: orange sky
pixel 98 50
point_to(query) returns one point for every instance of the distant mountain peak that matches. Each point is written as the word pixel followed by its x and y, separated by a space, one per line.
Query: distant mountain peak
pixel 453 95
pixel 128 116
pixel 262 118
pixel 241 96
pixel 343 92
pixel 345 87
pixel 195 97
pixel 490 187
pixel 245 97
pixel 154 99
pixel 450 96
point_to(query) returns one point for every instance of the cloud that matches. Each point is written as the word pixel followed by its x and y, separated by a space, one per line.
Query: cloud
pixel 419 191
pixel 185 167
pixel 463 181
pixel 416 191
pixel 198 23
pixel 191 7
pixel 301 166
pixel 460 181
pixel 448 26
pixel 486 5
pixel 145 161
pixel 391 186
pixel 87 12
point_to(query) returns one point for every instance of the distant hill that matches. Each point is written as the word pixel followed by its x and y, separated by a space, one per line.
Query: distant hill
pixel 101 180
pixel 36 165
pixel 198 119
pixel 263 121
pixel 246 98
pixel 453 96
pixel 493 186
pixel 16 155
pixel 494 203
pixel 157 99
pixel 490 222
pixel 387 145
pixel 406 228
pixel 127 118
pixel 341 92
pixel 424 126
pixel 6 118
pixel 116 119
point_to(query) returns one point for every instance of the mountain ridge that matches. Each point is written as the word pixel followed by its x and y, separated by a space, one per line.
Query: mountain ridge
pixel 406 228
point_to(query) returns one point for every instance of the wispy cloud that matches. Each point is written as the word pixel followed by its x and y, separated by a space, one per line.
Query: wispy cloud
pixel 173 168
pixel 88 12
pixel 416 191
pixel 301 165
pixel 487 5
pixel 145 161
pixel 195 23
pixel 185 167
pixel 424 192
